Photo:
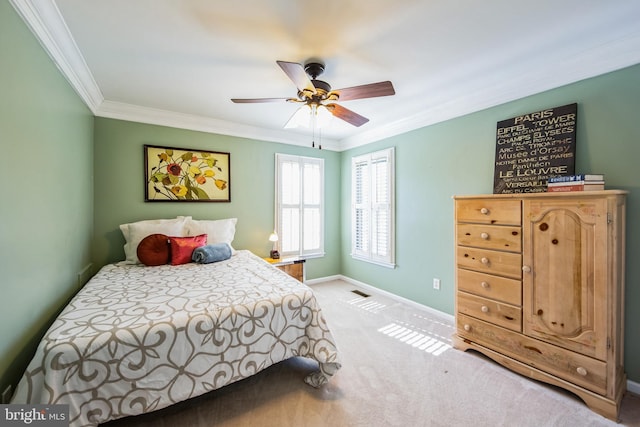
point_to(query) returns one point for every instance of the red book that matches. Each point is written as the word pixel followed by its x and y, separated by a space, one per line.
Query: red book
pixel 569 187
pixel 574 187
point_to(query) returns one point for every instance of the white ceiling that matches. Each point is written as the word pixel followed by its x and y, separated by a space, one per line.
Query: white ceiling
pixel 179 62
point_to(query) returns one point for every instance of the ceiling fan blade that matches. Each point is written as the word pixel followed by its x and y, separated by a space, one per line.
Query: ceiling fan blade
pixel 347 115
pixel 371 90
pixel 257 100
pixel 297 75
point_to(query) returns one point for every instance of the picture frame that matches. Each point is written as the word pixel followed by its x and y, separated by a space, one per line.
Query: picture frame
pixel 186 175
pixel 533 147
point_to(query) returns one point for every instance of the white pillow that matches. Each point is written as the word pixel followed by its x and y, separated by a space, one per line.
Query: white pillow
pixel 217 231
pixel 136 231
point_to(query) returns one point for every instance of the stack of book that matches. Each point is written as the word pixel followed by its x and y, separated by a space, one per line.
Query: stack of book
pixel 582 182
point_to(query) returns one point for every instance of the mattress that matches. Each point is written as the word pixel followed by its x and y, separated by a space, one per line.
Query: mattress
pixel 136 339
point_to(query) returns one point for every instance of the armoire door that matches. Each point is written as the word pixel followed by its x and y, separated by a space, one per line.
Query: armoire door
pixel 565 273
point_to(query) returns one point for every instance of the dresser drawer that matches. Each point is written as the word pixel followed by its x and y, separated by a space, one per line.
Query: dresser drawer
pixel 492 262
pixel 505 238
pixel 576 368
pixel 489 211
pixel 505 315
pixel 488 286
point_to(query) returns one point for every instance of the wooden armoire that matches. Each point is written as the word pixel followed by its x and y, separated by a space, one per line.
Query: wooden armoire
pixel 540 288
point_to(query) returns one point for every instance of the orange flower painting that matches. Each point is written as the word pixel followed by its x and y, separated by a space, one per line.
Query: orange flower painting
pixel 183 175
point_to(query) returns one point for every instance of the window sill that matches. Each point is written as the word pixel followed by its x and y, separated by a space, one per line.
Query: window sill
pixel 376 262
pixel 304 256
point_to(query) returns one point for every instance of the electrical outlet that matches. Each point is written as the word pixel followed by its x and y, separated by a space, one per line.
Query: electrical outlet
pixel 6 395
pixel 436 284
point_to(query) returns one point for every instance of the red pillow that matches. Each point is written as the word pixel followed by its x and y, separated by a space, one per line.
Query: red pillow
pixel 182 248
pixel 154 250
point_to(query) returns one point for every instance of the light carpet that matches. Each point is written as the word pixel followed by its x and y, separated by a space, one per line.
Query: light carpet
pixel 398 370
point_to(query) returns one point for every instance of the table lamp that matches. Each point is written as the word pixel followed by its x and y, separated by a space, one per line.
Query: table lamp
pixel 274 251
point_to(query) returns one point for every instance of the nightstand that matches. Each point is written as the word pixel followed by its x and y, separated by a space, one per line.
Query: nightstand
pixel 293 266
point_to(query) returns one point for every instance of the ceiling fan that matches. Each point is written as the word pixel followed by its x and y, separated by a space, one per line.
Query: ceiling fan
pixel 314 93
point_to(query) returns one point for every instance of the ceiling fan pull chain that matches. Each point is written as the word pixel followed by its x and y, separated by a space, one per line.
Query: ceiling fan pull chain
pixel 313 127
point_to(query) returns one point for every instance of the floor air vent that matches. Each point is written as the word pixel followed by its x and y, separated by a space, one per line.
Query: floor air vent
pixel 362 294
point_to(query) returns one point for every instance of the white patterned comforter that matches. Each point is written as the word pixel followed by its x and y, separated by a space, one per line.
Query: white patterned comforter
pixel 136 339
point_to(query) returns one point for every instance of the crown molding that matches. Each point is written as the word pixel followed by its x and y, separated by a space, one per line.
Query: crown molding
pixel 611 56
pixel 45 21
pixel 136 113
pixel 47 24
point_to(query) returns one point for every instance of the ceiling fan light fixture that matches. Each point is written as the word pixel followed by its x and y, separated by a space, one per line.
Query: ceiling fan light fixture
pixel 300 119
pixel 323 116
pixel 318 99
pixel 310 116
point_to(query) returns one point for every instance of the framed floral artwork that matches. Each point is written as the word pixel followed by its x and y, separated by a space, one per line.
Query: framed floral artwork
pixel 184 175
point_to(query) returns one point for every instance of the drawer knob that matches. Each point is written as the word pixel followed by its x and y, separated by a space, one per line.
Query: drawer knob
pixel 526 269
pixel 484 309
pixel 485 236
pixel 484 260
pixel 485 285
pixel 582 371
pixel 484 211
pixel 467 328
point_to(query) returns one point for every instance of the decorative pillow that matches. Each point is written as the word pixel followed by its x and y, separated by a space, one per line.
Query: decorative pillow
pixel 154 250
pixel 211 253
pixel 182 248
pixel 217 231
pixel 136 231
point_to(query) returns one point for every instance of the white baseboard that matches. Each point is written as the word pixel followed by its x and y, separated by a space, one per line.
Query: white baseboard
pixel 632 386
pixel 373 289
pixel 312 282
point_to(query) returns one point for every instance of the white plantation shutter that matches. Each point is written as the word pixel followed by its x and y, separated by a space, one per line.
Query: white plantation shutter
pixel 299 205
pixel 361 206
pixel 373 207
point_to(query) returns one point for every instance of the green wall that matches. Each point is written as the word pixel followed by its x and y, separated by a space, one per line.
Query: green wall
pixel 46 141
pixel 456 157
pixel 119 189
pixel 73 179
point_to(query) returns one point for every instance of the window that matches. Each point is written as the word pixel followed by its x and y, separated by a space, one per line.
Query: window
pixel 373 208
pixel 300 205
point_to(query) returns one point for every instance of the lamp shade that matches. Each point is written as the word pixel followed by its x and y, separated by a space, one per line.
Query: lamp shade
pixel 273 237
pixel 310 115
pixel 323 116
pixel 300 119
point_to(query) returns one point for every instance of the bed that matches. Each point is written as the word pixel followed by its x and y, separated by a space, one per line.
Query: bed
pixel 137 339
